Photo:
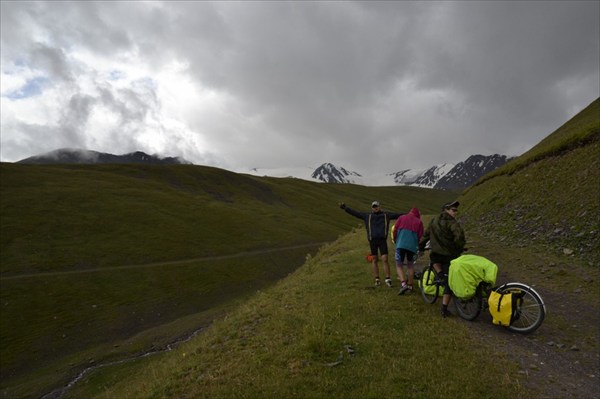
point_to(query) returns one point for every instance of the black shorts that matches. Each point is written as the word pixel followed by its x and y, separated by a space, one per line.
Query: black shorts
pixel 378 244
pixel 445 262
pixel 404 256
pixel 443 259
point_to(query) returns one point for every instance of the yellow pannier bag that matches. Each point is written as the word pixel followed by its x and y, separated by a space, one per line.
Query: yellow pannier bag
pixel 501 308
pixel 427 282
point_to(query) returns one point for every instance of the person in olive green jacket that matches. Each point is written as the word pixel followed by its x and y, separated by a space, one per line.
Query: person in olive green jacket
pixel 447 240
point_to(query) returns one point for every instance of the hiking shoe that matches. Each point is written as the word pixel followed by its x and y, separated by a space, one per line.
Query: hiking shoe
pixel 388 282
pixel 403 289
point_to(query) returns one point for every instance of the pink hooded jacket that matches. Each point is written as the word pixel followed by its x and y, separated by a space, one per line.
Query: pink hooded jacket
pixel 412 222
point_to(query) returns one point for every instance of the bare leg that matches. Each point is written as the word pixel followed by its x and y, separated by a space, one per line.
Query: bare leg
pixel 375 268
pixel 400 272
pixel 446 299
pixel 386 265
pixel 411 274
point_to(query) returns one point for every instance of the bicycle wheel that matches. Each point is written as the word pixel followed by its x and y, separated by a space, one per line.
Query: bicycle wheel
pixel 530 309
pixel 469 309
pixel 429 290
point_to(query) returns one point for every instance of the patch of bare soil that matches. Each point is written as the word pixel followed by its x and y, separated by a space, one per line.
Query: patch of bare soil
pixel 560 359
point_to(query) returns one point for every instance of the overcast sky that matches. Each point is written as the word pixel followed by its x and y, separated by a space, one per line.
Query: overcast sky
pixel 370 86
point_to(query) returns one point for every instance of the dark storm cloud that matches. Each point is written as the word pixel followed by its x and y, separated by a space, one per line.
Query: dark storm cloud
pixel 371 86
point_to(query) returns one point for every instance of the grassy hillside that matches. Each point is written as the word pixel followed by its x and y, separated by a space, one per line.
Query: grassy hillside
pixel 326 331
pixel 77 217
pixel 323 332
pixel 549 198
pixel 101 262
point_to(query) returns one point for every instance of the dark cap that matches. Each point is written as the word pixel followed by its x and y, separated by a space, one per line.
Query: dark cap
pixel 449 205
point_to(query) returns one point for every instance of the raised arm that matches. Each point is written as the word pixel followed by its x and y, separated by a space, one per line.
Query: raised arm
pixel 351 211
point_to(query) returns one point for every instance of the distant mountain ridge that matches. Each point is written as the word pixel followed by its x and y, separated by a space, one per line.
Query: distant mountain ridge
pixel 444 176
pixel 80 156
pixel 469 171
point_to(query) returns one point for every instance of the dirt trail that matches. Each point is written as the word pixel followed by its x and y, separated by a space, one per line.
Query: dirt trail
pixel 551 361
pixel 560 360
pixel 168 263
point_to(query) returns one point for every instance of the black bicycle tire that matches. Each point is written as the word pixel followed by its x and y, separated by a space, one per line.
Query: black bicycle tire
pixel 428 298
pixel 531 313
pixel 469 309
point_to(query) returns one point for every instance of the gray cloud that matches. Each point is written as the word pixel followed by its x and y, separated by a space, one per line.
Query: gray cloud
pixel 371 86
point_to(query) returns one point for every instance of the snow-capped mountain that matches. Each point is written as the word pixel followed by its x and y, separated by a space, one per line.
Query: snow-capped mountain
pixel 80 156
pixel 421 177
pixel 330 173
pixel 445 176
pixel 431 176
pixel 468 172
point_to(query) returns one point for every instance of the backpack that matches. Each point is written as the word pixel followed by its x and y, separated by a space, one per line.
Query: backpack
pixel 502 307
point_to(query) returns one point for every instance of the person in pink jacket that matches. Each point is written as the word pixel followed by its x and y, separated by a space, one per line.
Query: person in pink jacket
pixel 406 233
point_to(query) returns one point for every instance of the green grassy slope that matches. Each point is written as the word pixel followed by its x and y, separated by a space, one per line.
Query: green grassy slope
pixel 549 198
pixel 58 222
pixel 323 332
pixel 74 217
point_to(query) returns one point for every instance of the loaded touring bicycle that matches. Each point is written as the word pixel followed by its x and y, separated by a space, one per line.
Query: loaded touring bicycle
pixel 472 280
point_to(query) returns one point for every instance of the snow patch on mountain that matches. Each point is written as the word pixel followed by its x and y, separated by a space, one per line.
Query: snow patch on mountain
pixel 469 171
pixel 431 176
pixel 330 173
pixel 444 176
